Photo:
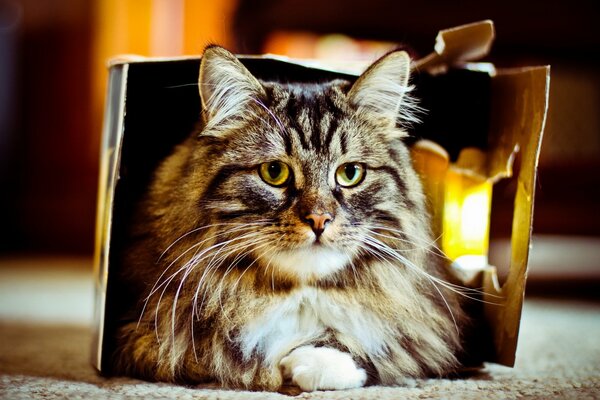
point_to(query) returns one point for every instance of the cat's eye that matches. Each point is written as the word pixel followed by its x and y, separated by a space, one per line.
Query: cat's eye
pixel 275 173
pixel 350 174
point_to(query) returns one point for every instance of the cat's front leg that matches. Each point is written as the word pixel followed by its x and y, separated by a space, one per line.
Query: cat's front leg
pixel 314 368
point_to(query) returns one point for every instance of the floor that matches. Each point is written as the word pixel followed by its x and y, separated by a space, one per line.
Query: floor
pixel 46 308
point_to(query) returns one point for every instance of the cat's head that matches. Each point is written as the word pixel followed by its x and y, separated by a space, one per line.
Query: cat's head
pixel 307 179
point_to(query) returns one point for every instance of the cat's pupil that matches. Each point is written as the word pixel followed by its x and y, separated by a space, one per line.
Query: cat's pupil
pixel 274 170
pixel 350 171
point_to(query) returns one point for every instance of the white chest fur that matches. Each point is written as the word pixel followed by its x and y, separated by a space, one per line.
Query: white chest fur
pixel 306 315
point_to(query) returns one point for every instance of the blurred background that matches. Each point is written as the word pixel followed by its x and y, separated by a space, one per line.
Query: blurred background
pixel 53 77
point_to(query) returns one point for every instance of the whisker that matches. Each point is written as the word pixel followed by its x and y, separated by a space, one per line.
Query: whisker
pixel 426 244
pixel 188 266
pixel 215 264
pixel 182 85
pixel 253 262
pixel 431 281
pixel 220 246
pixel 197 245
pixel 395 238
pixel 240 224
pixel 239 228
pixel 237 259
pixel 438 252
pixel 273 267
pixel 461 290
pixel 352 267
pixel 253 248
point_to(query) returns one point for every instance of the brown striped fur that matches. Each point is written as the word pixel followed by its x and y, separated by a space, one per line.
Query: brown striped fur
pixel 240 281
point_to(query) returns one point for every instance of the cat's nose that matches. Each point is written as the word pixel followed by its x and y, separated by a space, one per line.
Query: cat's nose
pixel 318 221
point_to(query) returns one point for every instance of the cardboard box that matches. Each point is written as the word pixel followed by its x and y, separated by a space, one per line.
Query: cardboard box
pixel 482 117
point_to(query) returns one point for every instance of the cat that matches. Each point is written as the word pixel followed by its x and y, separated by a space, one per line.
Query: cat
pixel 287 241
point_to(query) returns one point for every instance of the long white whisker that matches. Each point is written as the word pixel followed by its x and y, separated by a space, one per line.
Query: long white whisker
pixel 352 267
pixel 237 224
pixel 219 246
pixel 412 240
pixel 253 247
pixel 234 262
pixel 253 262
pixel 383 248
pixel 188 266
pixel 395 238
pixel 211 268
pixel 438 252
pixel 273 267
pixel 196 245
pixel 455 288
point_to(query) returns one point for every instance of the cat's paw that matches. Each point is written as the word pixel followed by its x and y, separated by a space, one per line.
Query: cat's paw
pixel 314 368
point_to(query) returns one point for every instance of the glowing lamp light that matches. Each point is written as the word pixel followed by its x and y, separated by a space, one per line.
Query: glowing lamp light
pixel 459 197
pixel 466 217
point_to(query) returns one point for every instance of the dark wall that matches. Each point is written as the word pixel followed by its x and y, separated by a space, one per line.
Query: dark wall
pixel 48 148
pixel 48 168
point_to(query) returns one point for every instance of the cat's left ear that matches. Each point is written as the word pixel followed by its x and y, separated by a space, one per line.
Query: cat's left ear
pixel 228 91
pixel 382 89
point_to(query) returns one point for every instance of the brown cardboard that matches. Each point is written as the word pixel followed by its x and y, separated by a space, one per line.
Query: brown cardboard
pixel 517 108
pixel 460 44
pixel 520 97
pixel 519 105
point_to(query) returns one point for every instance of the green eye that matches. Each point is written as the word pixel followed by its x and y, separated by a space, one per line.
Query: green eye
pixel 275 173
pixel 351 174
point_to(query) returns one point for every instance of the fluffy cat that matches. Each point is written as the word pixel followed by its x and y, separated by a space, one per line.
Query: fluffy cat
pixel 287 241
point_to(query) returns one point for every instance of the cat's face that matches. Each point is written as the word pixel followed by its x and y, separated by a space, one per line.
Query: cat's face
pixel 310 177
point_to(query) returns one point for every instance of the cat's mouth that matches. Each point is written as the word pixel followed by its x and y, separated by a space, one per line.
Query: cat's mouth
pixel 320 239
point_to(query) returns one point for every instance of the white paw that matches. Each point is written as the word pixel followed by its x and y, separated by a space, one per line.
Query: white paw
pixel 314 368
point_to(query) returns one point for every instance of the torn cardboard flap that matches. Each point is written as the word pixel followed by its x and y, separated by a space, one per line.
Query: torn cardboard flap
pixel 460 44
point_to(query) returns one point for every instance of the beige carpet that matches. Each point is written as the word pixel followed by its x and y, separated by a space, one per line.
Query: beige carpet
pixel 45 350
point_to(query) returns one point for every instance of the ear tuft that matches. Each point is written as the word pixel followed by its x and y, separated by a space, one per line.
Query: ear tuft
pixel 227 89
pixel 383 89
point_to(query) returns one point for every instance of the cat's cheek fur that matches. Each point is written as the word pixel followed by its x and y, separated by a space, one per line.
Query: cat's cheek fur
pixel 322 368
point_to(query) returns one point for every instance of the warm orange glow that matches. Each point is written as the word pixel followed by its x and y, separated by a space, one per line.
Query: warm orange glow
pixel 207 22
pixel 459 199
pixel 431 162
pixel 308 45
pixel 153 28
pixel 466 219
pixel 295 45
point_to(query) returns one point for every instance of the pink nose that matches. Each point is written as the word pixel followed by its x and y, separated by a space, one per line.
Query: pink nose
pixel 318 222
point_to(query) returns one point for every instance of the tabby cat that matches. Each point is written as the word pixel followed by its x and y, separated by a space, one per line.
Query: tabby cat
pixel 287 241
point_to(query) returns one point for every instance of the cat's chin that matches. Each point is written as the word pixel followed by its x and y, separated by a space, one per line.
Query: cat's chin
pixel 310 263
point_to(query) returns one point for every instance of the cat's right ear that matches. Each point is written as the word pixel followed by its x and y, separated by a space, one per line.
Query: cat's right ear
pixel 383 89
pixel 227 89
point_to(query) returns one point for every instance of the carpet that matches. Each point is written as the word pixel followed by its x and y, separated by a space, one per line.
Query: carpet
pixel 45 350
